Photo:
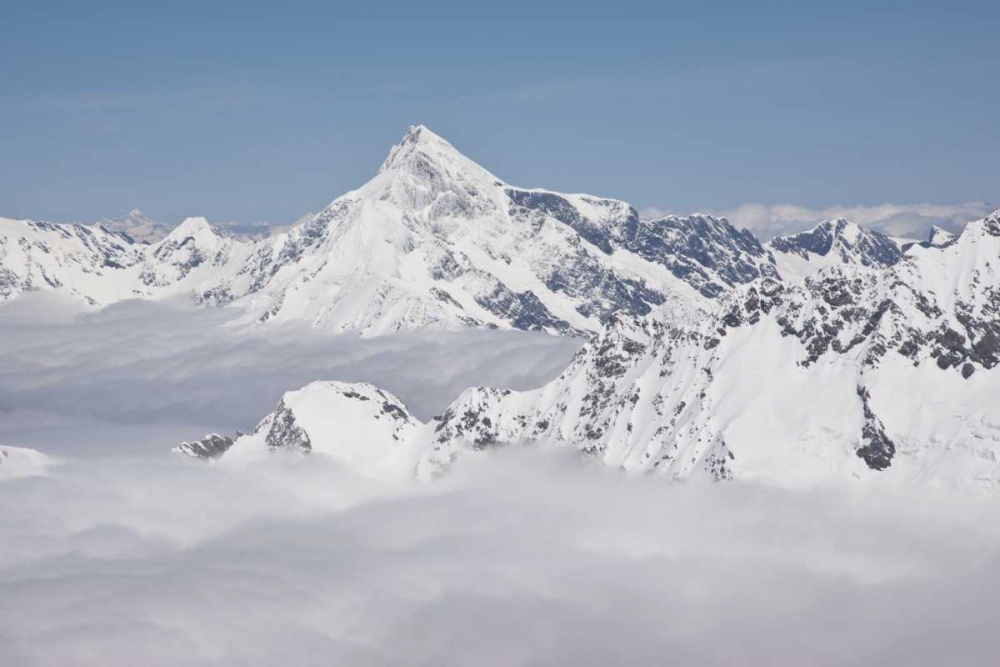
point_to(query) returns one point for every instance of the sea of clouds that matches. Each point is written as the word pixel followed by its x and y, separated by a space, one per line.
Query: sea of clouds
pixel 169 371
pixel 119 553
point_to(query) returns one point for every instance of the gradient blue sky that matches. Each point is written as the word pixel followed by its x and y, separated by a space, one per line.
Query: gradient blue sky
pixel 263 111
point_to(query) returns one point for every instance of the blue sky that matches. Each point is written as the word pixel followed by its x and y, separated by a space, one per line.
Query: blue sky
pixel 263 111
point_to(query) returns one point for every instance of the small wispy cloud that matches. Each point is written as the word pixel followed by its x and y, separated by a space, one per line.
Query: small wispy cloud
pixel 901 220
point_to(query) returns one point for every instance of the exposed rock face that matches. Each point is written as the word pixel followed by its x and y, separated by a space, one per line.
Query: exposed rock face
pixel 281 431
pixel 834 243
pixel 851 243
pixel 940 303
pixel 876 448
pixel 707 253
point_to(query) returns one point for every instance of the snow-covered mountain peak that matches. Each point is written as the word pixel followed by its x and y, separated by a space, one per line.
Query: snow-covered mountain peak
pixel 436 240
pixel 939 237
pixel 831 243
pixel 416 136
pixel 846 238
pixel 990 224
pixel 420 148
pixel 978 242
pixel 359 425
pixel 193 237
pixel 194 244
pixel 137 226
pixel 196 227
pixel 845 229
pixel 425 175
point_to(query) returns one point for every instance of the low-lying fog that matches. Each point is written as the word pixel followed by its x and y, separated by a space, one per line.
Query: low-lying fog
pixel 121 554
pixel 140 375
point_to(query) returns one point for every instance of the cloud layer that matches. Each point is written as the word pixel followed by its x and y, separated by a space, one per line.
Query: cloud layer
pixel 120 554
pixel 170 373
pixel 518 559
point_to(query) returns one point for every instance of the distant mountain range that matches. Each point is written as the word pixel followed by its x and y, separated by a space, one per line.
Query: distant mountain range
pixel 139 227
pixel 433 240
pixel 836 351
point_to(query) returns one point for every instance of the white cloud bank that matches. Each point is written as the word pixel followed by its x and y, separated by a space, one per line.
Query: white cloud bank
pixel 518 559
pixel 156 374
pixel 121 554
pixel 900 220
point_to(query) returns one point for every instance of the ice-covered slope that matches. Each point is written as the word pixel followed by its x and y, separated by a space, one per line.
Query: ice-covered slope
pixel 832 243
pixel 863 372
pixel 433 240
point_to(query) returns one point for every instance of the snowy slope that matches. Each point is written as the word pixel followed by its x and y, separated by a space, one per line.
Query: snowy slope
pixel 864 372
